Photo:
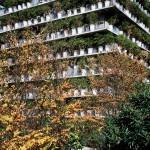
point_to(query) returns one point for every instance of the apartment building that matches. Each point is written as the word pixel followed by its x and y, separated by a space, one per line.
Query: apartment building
pixel 79 20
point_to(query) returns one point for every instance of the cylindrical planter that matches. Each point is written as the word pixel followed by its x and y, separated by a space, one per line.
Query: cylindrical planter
pixel 29 22
pixel 111 27
pixel 107 48
pixel 90 50
pixel 100 5
pixel 107 3
pixel 58 56
pixel 35 21
pixel 80 30
pixel 69 12
pixel 24 6
pixel 82 9
pixel 76 93
pixel 8 27
pixel 48 17
pixel 92 27
pixel 75 69
pixel 10 10
pixel 19 7
pixel 65 54
pixel 64 73
pixel 15 8
pixel 83 72
pixel 29 4
pixel 81 51
pixel 75 53
pixel 59 15
pixel 100 49
pixel 25 23
pixel 93 7
pixel 42 19
pixel 16 25
pixel 75 12
pixel 94 91
pixel 74 31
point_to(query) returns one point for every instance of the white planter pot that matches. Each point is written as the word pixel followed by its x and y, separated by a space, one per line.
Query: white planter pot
pixel 80 30
pixel 42 19
pixel 69 12
pixel 8 27
pixel 111 27
pixel 100 49
pixel 93 7
pixel 83 91
pixel 65 54
pixel 29 4
pixel 59 15
pixel 24 6
pixel 75 12
pixel 30 96
pixel 10 10
pixel 25 23
pixel 76 93
pixel 107 3
pixel 107 48
pixel 19 7
pixel 4 28
pixel 133 40
pixel 66 33
pixel 76 53
pixel 73 31
pixel 29 22
pixel 30 78
pixel 90 50
pixel 22 78
pixel 126 12
pixel 121 32
pixel 53 35
pixel 48 17
pixel 94 91
pixel 15 8
pixel 100 5
pixel 92 27
pixel 64 73
pixel 75 68
pixel 81 51
pixel 58 56
pixel 92 71
pixel 82 9
pixel 16 25
pixel 83 72
pixel 35 21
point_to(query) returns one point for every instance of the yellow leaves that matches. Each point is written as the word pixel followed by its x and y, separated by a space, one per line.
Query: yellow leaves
pixel 16 133
pixel 9 128
pixel 38 135
pixel 5 119
pixel 4 105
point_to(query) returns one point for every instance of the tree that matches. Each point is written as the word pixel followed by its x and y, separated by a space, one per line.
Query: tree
pixel 36 111
pixel 130 128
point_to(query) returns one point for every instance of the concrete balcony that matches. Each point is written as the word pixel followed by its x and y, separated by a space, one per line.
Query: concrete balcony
pixel 53 16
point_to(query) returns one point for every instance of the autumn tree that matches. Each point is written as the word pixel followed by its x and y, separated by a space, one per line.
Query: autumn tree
pixel 36 108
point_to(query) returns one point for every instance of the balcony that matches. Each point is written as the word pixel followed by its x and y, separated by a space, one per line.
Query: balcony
pixel 52 16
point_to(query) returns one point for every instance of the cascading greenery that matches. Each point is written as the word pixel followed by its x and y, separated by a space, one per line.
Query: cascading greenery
pixel 10 3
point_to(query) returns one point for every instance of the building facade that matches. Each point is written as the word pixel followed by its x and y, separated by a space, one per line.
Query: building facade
pixel 97 27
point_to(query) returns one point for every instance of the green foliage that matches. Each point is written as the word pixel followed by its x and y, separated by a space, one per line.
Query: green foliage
pixel 130 128
pixel 10 3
